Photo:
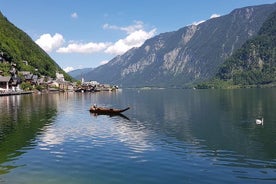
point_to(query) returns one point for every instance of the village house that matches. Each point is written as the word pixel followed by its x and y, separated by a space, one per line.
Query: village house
pixel 12 83
pixel 30 78
pixel 59 84
pixel 5 83
pixel 16 84
pixel 8 83
pixel 59 77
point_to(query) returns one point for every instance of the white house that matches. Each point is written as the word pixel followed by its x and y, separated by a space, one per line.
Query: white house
pixel 59 77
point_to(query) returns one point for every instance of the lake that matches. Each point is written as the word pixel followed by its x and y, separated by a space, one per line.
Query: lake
pixel 167 136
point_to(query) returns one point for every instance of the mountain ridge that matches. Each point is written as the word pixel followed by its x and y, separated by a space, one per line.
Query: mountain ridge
pixel 188 55
pixel 77 74
pixel 255 62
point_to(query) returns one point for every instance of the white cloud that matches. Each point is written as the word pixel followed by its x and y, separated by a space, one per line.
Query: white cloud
pixel 135 39
pixel 138 25
pixel 211 17
pixel 136 36
pixel 199 22
pixel 104 62
pixel 214 16
pixel 49 43
pixel 90 47
pixel 74 15
pixel 68 69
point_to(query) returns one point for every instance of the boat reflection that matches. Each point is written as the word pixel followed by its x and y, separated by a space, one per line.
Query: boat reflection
pixel 110 115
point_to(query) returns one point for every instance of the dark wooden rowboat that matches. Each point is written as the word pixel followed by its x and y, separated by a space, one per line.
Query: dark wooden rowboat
pixel 102 110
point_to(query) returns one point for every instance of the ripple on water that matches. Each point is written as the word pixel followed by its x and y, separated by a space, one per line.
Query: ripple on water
pixel 81 148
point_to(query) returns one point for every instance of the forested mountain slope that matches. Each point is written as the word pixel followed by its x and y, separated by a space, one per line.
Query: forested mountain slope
pixel 255 62
pixel 17 47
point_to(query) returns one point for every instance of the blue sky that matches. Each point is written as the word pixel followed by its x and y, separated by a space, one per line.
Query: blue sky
pixel 87 33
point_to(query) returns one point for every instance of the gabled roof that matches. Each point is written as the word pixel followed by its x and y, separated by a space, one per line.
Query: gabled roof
pixel 4 79
pixel 29 77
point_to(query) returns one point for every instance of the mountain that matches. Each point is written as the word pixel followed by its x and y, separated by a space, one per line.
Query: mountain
pixel 17 47
pixel 190 54
pixel 77 74
pixel 255 62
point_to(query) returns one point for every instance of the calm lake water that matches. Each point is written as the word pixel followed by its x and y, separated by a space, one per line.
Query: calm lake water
pixel 168 136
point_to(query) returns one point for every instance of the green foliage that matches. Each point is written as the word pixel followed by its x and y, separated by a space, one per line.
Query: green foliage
pixel 17 47
pixel 5 68
pixel 39 87
pixel 26 86
pixel 215 84
pixel 255 62
pixel 78 83
pixel 269 27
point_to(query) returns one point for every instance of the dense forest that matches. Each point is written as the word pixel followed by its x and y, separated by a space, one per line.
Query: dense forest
pixel 17 47
pixel 254 64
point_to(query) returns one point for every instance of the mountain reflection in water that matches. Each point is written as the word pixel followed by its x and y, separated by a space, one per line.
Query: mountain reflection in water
pixel 198 136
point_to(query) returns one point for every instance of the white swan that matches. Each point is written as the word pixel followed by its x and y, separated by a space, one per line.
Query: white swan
pixel 260 122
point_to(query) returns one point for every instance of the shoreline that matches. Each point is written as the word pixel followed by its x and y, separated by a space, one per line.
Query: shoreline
pixel 10 93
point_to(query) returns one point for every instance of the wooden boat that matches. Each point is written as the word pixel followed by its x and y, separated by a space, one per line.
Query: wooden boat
pixel 109 111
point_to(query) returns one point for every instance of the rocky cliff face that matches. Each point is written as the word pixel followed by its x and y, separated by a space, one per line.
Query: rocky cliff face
pixel 190 54
pixel 255 62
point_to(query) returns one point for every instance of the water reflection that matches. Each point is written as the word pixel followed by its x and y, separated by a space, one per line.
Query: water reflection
pixel 169 136
pixel 216 125
pixel 22 118
pixel 221 119
pixel 114 128
pixel 111 115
